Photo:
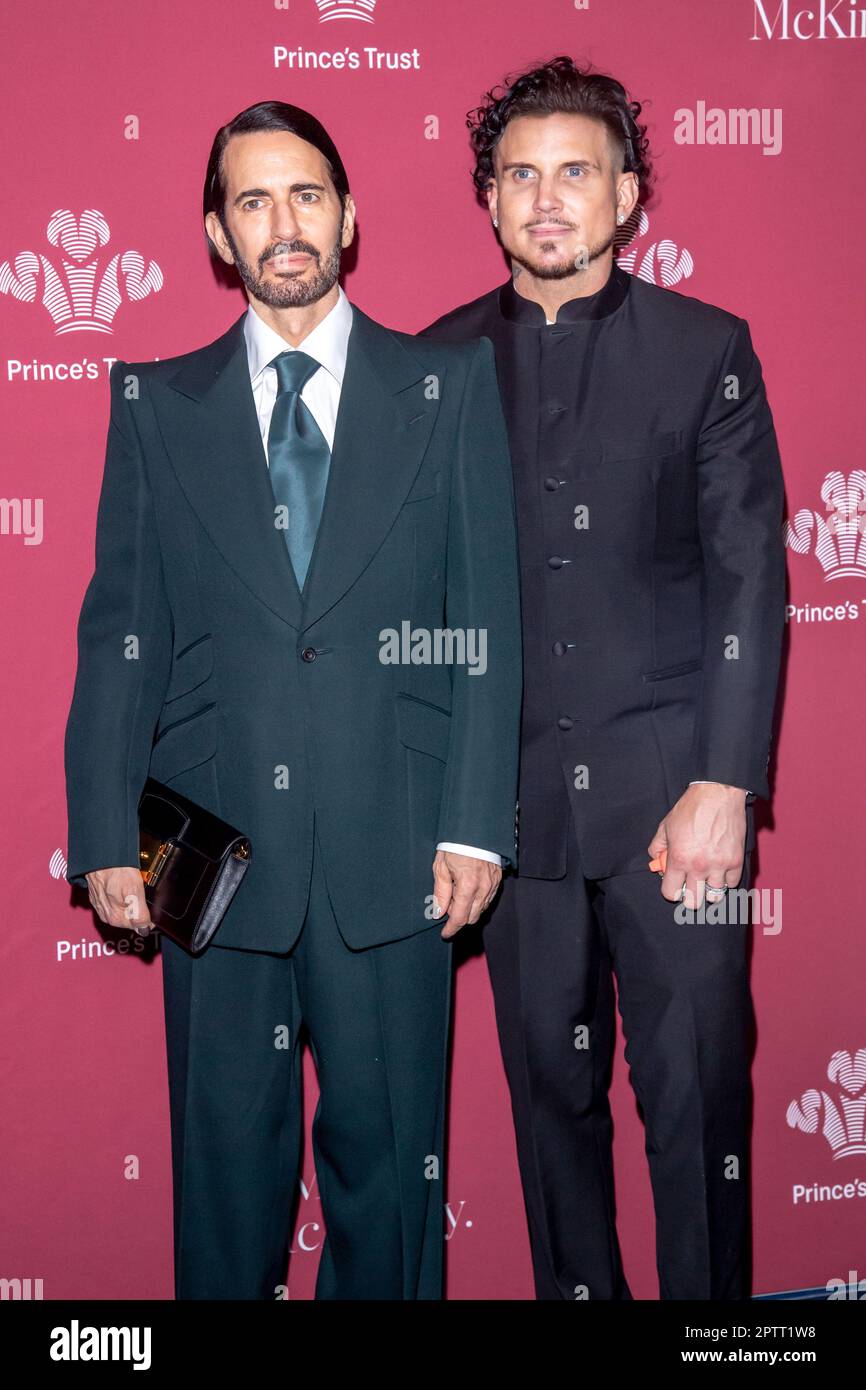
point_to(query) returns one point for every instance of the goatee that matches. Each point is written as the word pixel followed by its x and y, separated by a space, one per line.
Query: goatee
pixel 296 290
pixel 564 268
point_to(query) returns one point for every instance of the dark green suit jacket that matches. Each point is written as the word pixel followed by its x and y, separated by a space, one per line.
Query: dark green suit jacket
pixel 201 664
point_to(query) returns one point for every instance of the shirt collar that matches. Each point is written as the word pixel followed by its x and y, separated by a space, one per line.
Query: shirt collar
pixel 519 309
pixel 328 343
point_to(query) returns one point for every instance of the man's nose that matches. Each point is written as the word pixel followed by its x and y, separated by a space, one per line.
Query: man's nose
pixel 284 223
pixel 547 197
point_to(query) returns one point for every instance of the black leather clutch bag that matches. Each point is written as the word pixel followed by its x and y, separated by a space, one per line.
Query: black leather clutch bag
pixel 192 864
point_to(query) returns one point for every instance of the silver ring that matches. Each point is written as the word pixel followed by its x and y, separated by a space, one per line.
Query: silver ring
pixel 717 890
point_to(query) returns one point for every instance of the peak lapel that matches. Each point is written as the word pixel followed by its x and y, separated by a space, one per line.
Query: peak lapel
pixel 207 417
pixel 208 420
pixel 383 427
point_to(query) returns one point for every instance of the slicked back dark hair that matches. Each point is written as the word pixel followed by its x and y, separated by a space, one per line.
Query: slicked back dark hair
pixel 560 86
pixel 267 115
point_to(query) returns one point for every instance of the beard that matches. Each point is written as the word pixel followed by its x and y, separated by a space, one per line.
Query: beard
pixel 565 267
pixel 297 288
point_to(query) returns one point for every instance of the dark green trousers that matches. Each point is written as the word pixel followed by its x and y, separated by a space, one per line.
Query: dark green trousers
pixel 378 1026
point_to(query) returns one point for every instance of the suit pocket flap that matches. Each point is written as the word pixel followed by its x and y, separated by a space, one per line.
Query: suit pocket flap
pixel 423 726
pixel 682 668
pixel 427 484
pixel 192 665
pixel 184 743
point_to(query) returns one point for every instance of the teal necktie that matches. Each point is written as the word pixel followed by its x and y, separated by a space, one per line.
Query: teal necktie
pixel 298 459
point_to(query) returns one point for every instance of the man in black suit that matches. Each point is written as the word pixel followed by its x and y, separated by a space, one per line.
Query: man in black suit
pixel 305 617
pixel 649 500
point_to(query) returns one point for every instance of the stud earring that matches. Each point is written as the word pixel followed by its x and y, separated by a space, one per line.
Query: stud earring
pixel 496 221
pixel 620 219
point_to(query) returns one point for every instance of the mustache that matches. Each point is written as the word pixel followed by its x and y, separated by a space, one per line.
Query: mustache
pixel 289 248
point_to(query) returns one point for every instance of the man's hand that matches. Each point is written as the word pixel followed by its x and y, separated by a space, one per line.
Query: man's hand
pixel 117 897
pixel 464 887
pixel 705 836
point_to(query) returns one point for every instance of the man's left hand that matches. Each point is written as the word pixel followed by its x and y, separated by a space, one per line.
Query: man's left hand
pixel 705 836
pixel 464 887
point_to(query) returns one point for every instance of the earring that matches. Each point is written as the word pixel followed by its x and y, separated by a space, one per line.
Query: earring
pixel 620 219
pixel 496 221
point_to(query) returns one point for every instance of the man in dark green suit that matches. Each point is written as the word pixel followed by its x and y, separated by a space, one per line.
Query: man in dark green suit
pixel 305 617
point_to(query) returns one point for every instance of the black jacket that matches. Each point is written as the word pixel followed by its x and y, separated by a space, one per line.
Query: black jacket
pixel 649 498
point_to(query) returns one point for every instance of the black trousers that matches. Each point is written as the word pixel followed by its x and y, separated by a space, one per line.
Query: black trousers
pixel 378 1025
pixel 553 948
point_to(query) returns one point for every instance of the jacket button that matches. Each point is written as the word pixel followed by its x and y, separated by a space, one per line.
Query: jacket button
pixel 559 648
pixel 556 562
pixel 309 654
pixel 551 484
pixel 565 723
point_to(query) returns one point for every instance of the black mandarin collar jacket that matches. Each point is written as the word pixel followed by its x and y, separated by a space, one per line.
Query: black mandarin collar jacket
pixel 649 503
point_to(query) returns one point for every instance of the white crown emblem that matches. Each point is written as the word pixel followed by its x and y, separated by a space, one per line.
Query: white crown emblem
pixel 840 538
pixel 843 1125
pixel 662 263
pixel 346 9
pixel 57 864
pixel 78 293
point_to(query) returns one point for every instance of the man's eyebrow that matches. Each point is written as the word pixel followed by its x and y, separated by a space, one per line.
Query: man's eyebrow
pixel 266 193
pixel 566 164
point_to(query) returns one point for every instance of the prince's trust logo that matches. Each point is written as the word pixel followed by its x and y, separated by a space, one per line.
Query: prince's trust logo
pixel 842 1118
pixel 346 9
pixel 662 263
pixel 838 540
pixel 78 288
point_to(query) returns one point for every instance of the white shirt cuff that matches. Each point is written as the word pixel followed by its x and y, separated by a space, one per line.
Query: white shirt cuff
pixel 475 853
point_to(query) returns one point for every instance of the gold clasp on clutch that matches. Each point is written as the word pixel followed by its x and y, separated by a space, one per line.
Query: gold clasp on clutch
pixel 153 856
pixel 243 850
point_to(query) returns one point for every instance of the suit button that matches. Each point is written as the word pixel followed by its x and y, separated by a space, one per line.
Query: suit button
pixel 556 562
pixel 565 723
pixel 309 654
pixel 559 648
pixel 551 484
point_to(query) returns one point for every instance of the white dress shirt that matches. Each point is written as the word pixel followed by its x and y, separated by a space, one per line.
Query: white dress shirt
pixel 328 343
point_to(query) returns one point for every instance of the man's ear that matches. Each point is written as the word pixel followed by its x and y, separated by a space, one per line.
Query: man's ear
pixel 627 191
pixel 218 237
pixel 349 214
pixel 492 199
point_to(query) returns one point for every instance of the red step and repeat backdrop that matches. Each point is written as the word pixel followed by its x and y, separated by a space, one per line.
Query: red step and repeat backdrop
pixel 109 111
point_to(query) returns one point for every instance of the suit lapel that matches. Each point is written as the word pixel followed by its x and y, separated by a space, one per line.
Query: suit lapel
pixel 383 427
pixel 212 435
pixel 208 421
